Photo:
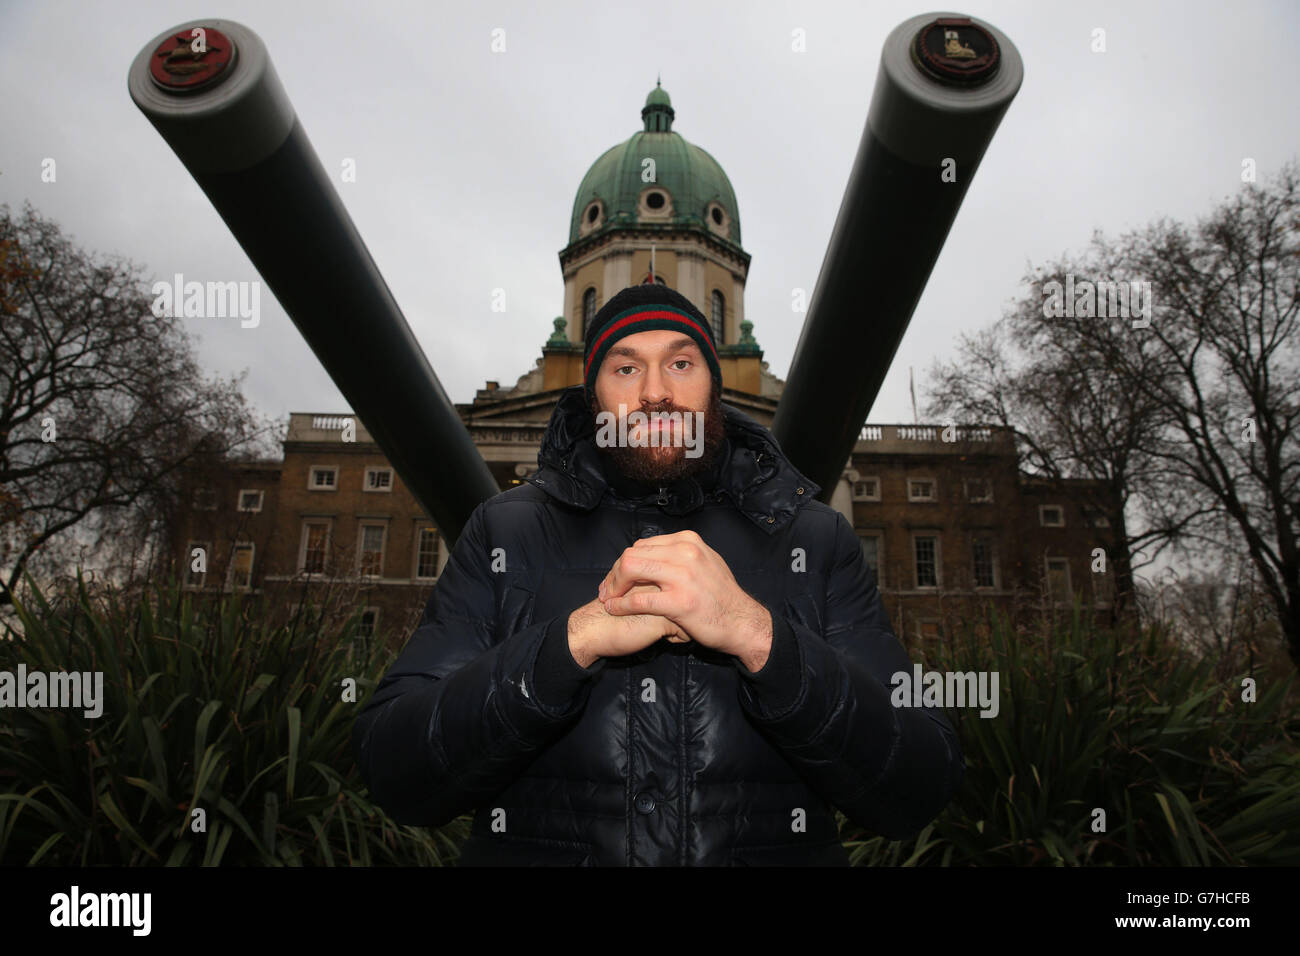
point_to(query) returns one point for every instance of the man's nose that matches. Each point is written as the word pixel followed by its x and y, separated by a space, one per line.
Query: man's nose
pixel 654 386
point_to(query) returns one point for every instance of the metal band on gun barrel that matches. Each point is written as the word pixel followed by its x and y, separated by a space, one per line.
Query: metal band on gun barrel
pixel 237 134
pixel 943 85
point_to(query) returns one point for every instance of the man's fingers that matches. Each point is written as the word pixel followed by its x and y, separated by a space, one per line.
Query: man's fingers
pixel 630 570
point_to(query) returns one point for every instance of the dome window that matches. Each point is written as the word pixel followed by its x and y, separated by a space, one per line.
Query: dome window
pixel 655 204
pixel 592 218
pixel 717 220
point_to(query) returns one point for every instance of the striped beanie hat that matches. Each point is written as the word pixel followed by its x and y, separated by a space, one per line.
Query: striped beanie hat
pixel 644 308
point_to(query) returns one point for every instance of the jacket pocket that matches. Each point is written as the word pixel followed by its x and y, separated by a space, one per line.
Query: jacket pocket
pixel 802 608
pixel 500 850
pixel 516 611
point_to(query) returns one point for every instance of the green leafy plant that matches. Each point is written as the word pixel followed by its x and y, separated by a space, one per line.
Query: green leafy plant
pixel 205 709
pixel 1185 771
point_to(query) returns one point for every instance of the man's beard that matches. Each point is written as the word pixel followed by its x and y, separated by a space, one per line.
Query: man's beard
pixel 668 462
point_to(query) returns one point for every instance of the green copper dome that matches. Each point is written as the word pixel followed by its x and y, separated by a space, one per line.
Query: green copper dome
pixel 698 190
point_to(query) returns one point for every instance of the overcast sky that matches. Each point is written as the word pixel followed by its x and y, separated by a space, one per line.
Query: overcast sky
pixel 468 160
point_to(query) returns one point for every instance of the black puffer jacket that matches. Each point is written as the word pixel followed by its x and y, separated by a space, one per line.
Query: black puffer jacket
pixel 677 755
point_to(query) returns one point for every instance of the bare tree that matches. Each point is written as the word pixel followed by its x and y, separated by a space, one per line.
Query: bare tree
pixel 1070 413
pixel 102 407
pixel 1226 325
pixel 1222 613
pixel 1189 409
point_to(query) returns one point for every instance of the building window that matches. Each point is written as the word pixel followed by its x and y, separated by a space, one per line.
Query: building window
pixel 1095 519
pixel 370 556
pixel 196 563
pixel 241 568
pixel 315 545
pixel 365 632
pixel 368 622
pixel 378 479
pixel 1051 516
pixel 205 499
pixel 323 477
pixel 655 204
pixel 591 218
pixel 250 500
pixel 426 556
pixel 983 553
pixel 1058 580
pixel 926 552
pixel 920 489
pixel 979 490
pixel 588 311
pixel 872 545
pixel 718 316
pixel 866 489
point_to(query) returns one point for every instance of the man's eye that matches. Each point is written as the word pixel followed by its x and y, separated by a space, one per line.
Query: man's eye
pixel 623 367
pixel 687 361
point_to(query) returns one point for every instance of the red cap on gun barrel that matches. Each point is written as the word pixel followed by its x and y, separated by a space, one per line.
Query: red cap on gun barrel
pixel 194 59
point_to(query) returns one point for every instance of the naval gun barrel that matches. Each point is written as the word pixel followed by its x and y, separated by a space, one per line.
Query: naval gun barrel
pixel 209 88
pixel 943 85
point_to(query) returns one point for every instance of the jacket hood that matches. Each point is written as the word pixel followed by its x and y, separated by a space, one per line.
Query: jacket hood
pixel 754 473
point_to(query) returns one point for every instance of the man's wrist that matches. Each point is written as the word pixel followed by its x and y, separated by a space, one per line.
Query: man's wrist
pixel 758 643
pixel 578 646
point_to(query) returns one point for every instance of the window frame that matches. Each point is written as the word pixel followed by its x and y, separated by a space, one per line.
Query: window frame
pixel 374 626
pixel 853 486
pixel 595 307
pixel 377 470
pixel 362 525
pixel 879 536
pixel 437 552
pixel 311 473
pixel 307 523
pixel 1069 587
pixel 938 561
pixel 993 561
pixel 1042 519
pixel 239 546
pixel 718 322
pixel 261 499
pixel 934 488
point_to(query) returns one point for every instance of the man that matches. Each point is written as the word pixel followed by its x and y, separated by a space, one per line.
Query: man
pixel 661 653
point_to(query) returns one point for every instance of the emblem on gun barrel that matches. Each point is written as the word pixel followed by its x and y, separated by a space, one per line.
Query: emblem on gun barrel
pixel 956 51
pixel 192 60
